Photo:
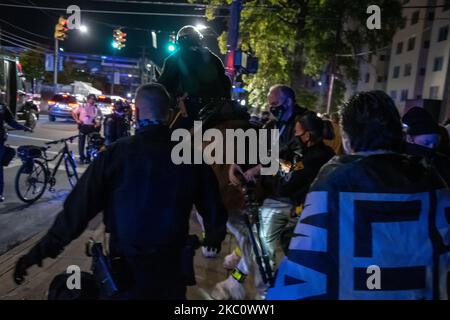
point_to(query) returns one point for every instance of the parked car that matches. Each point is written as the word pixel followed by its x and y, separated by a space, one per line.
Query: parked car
pixel 61 106
pixel 105 104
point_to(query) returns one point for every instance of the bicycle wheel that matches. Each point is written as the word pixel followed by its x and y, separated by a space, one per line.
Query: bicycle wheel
pixel 71 170
pixel 31 181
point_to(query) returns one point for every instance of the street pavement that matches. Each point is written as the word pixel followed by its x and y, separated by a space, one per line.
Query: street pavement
pixel 19 221
pixel 21 226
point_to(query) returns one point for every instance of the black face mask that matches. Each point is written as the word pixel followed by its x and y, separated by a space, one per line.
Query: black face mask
pixel 278 111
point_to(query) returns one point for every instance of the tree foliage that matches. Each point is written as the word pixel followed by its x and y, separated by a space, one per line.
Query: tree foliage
pixel 299 38
pixel 33 64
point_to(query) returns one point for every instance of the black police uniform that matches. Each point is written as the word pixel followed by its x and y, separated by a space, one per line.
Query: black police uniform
pixel 6 117
pixel 146 200
pixel 200 74
pixel 116 126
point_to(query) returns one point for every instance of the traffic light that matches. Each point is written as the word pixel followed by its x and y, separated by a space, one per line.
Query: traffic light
pixel 119 39
pixel 172 46
pixel 61 29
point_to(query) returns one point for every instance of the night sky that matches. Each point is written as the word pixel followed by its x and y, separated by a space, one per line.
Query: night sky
pixel 98 39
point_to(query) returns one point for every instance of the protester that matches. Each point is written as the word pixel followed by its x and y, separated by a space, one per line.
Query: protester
pixel 374 222
pixel 284 110
pixel 336 142
pixel 146 200
pixel 279 212
pixel 423 139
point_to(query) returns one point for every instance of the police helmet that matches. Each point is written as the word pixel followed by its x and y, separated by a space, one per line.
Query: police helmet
pixel 189 36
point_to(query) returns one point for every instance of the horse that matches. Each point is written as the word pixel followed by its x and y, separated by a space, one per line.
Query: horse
pixel 229 115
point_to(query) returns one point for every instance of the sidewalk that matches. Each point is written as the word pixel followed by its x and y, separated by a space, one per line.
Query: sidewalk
pixel 208 271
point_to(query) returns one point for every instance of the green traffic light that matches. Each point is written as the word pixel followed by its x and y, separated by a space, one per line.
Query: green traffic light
pixel 171 47
pixel 115 45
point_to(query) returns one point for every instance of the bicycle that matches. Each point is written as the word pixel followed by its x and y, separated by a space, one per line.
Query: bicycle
pixel 34 174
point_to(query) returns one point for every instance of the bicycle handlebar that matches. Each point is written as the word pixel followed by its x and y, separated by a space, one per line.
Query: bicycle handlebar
pixel 62 140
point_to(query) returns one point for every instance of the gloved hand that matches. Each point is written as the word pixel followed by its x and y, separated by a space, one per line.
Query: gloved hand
pixel 23 264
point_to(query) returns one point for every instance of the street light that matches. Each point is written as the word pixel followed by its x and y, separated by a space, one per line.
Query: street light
pixel 201 26
pixel 84 29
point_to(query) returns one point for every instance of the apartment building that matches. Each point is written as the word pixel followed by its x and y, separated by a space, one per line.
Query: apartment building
pixel 414 70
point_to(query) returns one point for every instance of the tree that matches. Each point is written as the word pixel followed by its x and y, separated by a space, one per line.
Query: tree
pixel 298 38
pixel 33 65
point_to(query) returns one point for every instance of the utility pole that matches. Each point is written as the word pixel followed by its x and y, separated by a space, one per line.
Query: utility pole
pixel 60 34
pixel 114 72
pixel 55 63
pixel 331 86
pixel 143 64
pixel 233 37
pixel 333 66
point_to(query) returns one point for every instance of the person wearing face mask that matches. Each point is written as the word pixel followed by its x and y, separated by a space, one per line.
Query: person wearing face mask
pixel 283 112
pixel 422 140
pixel 371 209
pixel 277 215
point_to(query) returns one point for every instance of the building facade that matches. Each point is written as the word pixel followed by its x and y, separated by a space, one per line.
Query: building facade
pixel 414 70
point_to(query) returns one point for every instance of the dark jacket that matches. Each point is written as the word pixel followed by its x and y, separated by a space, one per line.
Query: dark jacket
pixel 288 146
pixel 7 117
pixel 430 158
pixel 383 210
pixel 288 142
pixel 295 184
pixel 145 198
pixel 197 72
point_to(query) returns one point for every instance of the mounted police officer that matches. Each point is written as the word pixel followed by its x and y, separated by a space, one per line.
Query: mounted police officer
pixel 6 117
pixel 146 201
pixel 194 76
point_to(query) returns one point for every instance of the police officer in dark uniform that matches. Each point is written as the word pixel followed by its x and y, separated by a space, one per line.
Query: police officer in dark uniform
pixel 195 73
pixel 146 200
pixel 117 124
pixel 6 117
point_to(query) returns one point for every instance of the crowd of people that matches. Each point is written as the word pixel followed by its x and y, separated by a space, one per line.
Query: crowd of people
pixel 360 188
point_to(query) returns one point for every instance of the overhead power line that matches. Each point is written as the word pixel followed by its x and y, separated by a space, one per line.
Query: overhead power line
pixel 426 7
pixel 24 30
pixel 4 32
pixel 20 41
pixel 187 4
pixel 23 46
pixel 111 12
